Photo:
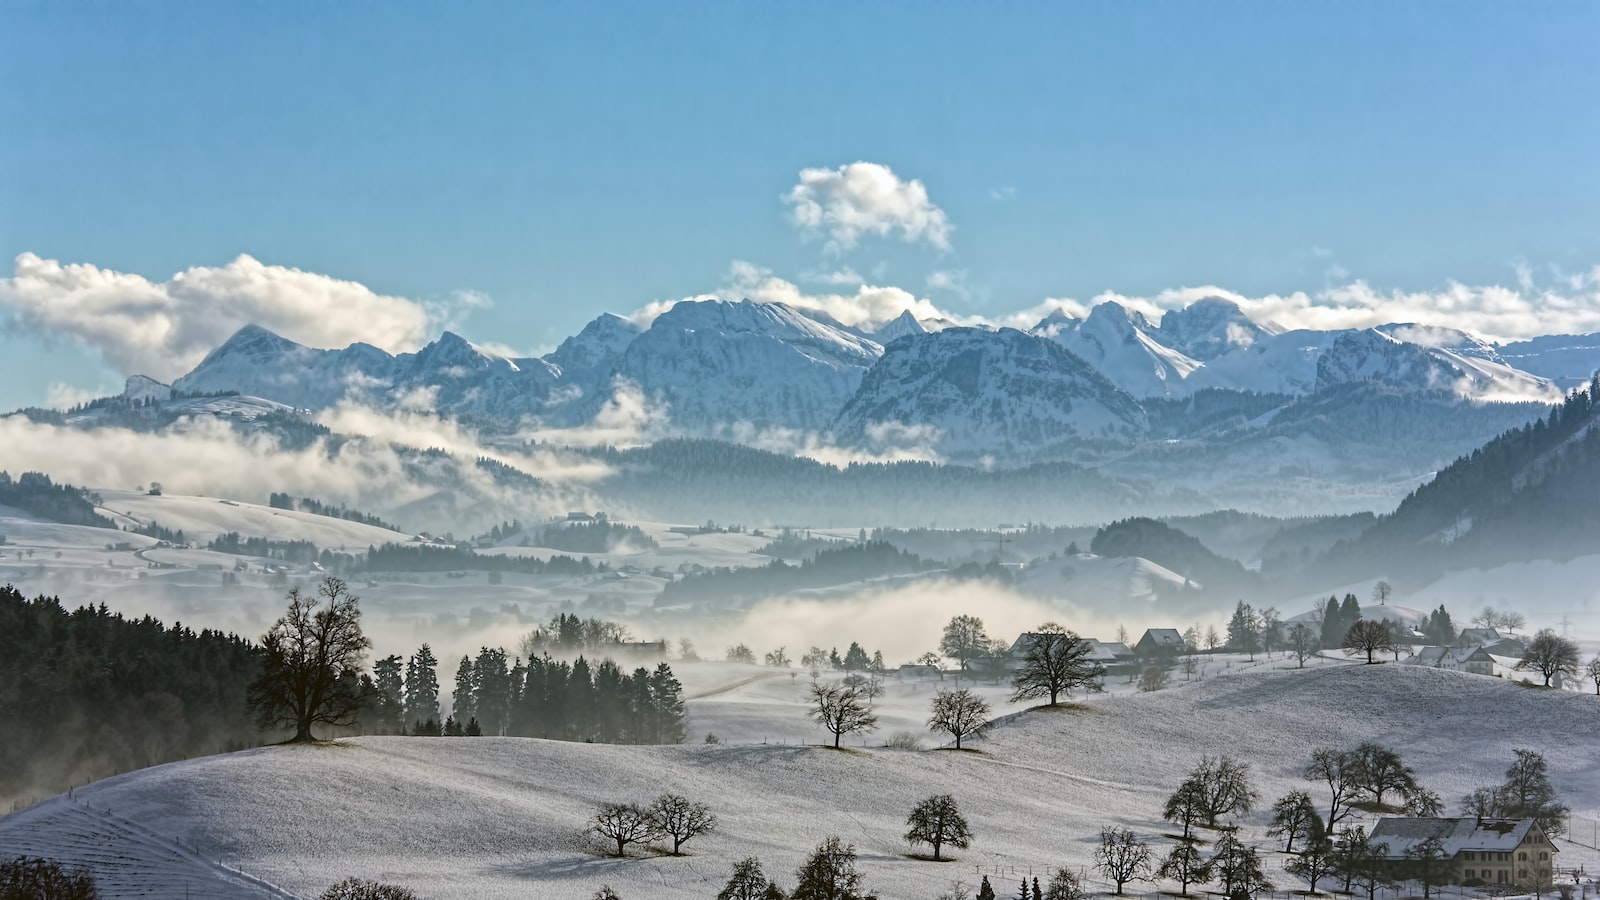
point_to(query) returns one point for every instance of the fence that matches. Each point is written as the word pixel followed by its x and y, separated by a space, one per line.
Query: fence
pixel 1583 832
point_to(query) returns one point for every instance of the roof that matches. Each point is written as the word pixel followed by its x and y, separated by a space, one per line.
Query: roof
pixel 1162 637
pixel 1456 835
pixel 1440 656
pixel 1479 635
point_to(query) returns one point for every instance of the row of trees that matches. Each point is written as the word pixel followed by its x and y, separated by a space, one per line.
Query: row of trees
pixel 1054 664
pixel 311 674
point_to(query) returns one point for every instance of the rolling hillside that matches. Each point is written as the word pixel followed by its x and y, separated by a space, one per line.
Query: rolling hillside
pixel 501 818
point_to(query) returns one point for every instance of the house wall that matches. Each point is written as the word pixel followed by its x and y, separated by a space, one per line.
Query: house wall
pixel 1533 862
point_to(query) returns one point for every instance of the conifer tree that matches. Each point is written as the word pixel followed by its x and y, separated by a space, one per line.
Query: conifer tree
pixel 422 687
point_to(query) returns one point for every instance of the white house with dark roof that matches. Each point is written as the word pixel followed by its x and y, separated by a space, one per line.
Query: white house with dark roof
pixel 1493 851
pixel 1475 660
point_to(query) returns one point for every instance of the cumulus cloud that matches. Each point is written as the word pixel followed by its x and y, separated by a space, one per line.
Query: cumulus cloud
pixel 163 329
pixel 865 198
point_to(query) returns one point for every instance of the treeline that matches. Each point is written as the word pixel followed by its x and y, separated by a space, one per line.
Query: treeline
pixel 300 552
pixel 593 537
pixel 34 493
pixel 695 480
pixel 433 558
pixel 317 508
pixel 544 698
pixel 87 693
pixel 874 559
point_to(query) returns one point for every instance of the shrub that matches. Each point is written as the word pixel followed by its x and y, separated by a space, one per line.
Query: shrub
pixel 361 889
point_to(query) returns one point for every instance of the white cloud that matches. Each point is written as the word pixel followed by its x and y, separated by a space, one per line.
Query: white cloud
pixel 627 419
pixel 869 307
pixel 1002 193
pixel 163 329
pixel 885 442
pixel 866 198
pixel 64 396
pixel 1492 312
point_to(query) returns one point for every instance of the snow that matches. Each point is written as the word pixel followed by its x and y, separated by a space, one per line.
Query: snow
pixel 203 518
pixel 501 817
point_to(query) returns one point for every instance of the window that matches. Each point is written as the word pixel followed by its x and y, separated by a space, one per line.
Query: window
pixel 1523 855
pixel 1471 874
pixel 1543 855
pixel 1469 859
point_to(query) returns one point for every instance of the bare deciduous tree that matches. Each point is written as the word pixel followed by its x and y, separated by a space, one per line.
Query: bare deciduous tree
pixel 311 663
pixel 1550 655
pixel 960 712
pixel 626 824
pixel 1122 856
pixel 936 821
pixel 1056 662
pixel 675 816
pixel 841 710
pixel 1367 637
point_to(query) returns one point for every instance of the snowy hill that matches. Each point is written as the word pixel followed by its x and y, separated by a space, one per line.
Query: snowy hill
pixel 1004 392
pixel 500 817
pixel 1373 355
pixel 1209 328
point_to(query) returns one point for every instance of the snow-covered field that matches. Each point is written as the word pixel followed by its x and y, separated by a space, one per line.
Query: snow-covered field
pixel 493 818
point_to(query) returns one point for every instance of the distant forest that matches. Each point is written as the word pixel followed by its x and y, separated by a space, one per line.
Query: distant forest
pixel 35 494
pixel 852 562
pixel 315 507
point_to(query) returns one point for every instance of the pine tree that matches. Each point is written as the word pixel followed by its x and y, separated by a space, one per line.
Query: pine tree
pixel 389 680
pixel 465 696
pixel 986 890
pixel 422 687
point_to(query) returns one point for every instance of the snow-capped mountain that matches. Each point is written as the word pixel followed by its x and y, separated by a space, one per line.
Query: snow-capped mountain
pixel 1566 359
pixel 1003 391
pixel 1210 328
pixel 1119 344
pixel 902 325
pixel 592 353
pixel 716 363
pixel 457 376
pixel 1372 355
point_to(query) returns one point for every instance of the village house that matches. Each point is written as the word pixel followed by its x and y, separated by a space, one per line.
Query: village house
pixel 1474 660
pixel 1159 645
pixel 1513 852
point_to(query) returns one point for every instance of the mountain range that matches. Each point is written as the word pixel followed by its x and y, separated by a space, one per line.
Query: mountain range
pixel 1207 404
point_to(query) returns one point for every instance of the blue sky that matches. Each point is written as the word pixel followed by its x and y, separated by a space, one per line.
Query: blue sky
pixel 558 161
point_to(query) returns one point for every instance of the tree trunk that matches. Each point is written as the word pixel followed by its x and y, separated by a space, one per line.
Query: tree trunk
pixel 302 733
pixel 621 845
pixel 1052 696
pixel 958 745
pixel 836 740
pixel 935 849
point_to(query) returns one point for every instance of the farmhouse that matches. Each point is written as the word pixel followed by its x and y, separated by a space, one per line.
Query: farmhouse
pixel 1492 851
pixel 1159 645
pixel 1475 660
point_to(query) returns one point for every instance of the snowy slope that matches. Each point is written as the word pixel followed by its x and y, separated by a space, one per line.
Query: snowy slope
pixel 1567 359
pixel 713 363
pixel 202 518
pixel 1120 345
pixel 1001 392
pixel 1372 355
pixel 500 818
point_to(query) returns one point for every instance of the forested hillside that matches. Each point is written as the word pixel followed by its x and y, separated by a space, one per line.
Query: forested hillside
pixel 1531 493
pixel 87 693
pixel 37 495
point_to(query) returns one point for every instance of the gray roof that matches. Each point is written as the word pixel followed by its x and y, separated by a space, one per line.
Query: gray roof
pixel 1455 835
pixel 1163 637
